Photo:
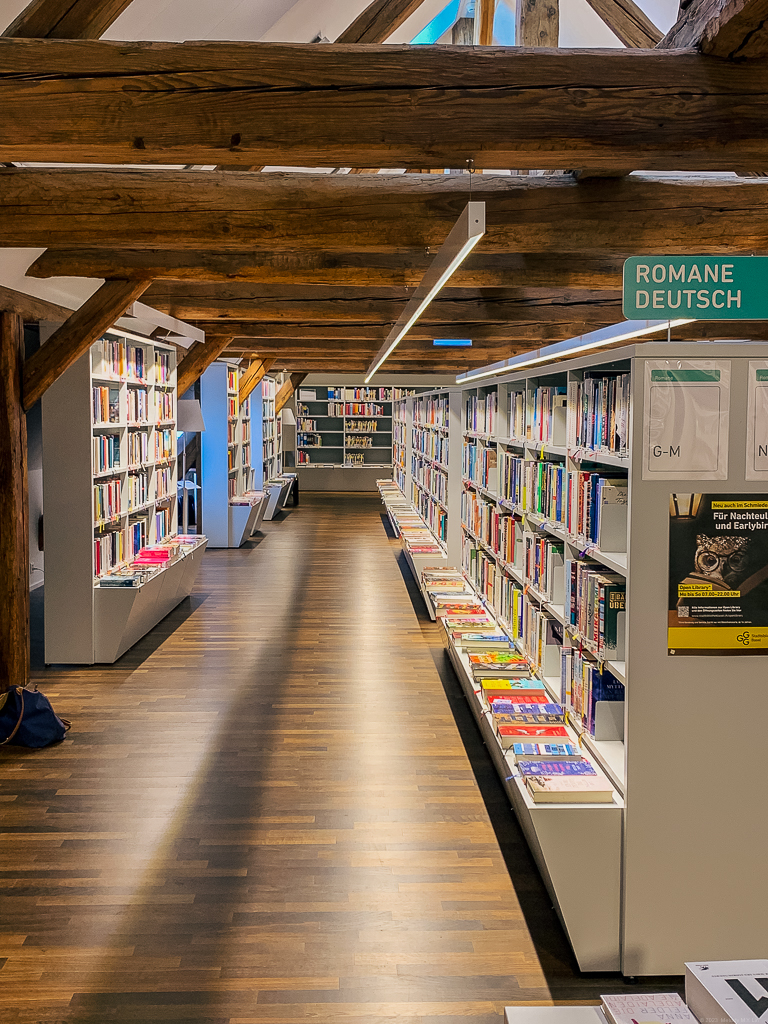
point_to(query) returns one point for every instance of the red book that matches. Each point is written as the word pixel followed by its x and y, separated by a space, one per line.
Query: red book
pixel 509 734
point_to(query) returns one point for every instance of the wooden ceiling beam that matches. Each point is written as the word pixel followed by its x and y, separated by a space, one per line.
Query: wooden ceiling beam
pixel 732 29
pixel 198 358
pixel 32 309
pixel 628 22
pixel 287 390
pixel 253 376
pixel 379 20
pixel 207 305
pixel 76 335
pixel 65 19
pixel 242 104
pixel 292 215
pixel 403 270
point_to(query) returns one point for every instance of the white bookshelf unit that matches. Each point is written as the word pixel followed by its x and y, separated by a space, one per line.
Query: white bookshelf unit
pixel 565 483
pixel 272 437
pixel 232 495
pixel 345 434
pixel 109 476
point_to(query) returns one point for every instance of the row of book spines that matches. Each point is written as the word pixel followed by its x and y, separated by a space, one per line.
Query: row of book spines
pixel 431 444
pixel 480 414
pixel 432 412
pixel 595 602
pixel 599 411
pixel 584 682
pixel 435 516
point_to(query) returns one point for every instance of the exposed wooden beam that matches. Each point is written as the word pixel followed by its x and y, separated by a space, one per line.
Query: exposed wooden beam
pixel 628 22
pixel 76 335
pixel 65 19
pixel 379 20
pixel 375 270
pixel 291 215
pixel 198 358
pixel 14 509
pixel 481 333
pixel 537 23
pixel 732 29
pixel 485 15
pixel 253 376
pixel 32 309
pixel 463 32
pixel 288 388
pixel 246 103
pixel 204 303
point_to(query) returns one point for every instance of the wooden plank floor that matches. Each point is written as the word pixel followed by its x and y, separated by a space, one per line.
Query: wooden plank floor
pixel 265 813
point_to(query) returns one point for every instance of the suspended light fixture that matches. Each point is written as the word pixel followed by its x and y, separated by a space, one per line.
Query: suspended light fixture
pixel 461 240
pixel 573 346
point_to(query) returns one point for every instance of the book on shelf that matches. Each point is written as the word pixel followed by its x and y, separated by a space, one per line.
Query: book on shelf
pixel 598 412
pixel 106 405
pixel 546 420
pixel 647 1008
pixel 482 641
pixel 498 664
pixel 595 603
pixel 526 718
pixel 561 789
pixel 727 991
pixel 496 690
pixel 598 509
pixel 468 623
pixel 539 752
pixel 510 733
pixel 578 767
pixel 522 702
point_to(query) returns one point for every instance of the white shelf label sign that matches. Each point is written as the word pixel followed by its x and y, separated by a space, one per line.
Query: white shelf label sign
pixel 757 420
pixel 686 406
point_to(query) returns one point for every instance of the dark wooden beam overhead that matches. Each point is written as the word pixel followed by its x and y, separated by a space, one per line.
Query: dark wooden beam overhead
pixel 399 270
pixel 537 23
pixel 481 333
pixel 75 336
pixel 292 214
pixel 65 19
pixel 379 20
pixel 32 309
pixel 198 358
pixel 732 29
pixel 220 302
pixel 14 509
pixel 242 104
pixel 287 390
pixel 253 376
pixel 628 22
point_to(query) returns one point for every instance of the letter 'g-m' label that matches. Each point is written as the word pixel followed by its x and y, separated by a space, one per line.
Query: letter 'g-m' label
pixel 696 288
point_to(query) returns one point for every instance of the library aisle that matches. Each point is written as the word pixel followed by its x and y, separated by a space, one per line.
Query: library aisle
pixel 265 812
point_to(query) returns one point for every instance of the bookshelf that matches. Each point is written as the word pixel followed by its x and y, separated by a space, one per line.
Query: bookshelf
pixel 272 439
pixel 232 497
pixel 341 428
pixel 562 505
pixel 109 478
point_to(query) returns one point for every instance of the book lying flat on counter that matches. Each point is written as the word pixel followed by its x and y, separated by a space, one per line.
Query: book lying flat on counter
pixel 507 689
pixel 553 711
pixel 728 991
pixel 510 703
pixel 527 719
pixel 570 768
pixel 482 641
pixel 468 623
pixel 647 1008
pixel 563 789
pixel 538 752
pixel 509 735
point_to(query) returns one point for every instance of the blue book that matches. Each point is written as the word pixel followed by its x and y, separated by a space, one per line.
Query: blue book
pixel 529 709
pixel 546 751
pixel 582 767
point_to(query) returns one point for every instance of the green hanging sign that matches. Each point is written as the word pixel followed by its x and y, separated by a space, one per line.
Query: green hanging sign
pixel 696 288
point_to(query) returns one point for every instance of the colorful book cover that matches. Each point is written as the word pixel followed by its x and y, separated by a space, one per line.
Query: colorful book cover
pixel 544 751
pixel 543 733
pixel 518 708
pixel 496 658
pixel 518 719
pixel 582 767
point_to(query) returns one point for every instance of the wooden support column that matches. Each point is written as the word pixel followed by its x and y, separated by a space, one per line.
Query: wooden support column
pixel 287 390
pixel 485 14
pixel 198 359
pixel 14 509
pixel 253 376
pixel 77 334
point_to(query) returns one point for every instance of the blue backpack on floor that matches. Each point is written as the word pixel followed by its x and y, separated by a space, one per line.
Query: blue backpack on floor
pixel 28 720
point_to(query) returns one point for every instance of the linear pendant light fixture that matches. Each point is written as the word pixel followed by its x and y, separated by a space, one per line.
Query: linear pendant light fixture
pixel 572 346
pixel 461 240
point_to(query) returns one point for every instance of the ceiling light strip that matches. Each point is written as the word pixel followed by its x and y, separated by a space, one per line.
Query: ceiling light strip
pixel 461 240
pixel 573 346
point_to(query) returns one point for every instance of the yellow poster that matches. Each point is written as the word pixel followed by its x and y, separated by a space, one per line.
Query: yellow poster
pixel 718 574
